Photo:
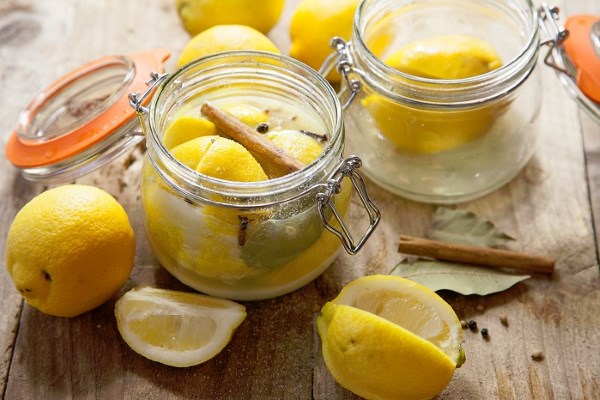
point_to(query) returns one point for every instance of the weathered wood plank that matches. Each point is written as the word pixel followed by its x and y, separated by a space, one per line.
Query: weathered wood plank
pixel 275 352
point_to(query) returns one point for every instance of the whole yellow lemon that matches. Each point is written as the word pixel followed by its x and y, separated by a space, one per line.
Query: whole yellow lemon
pixel 70 249
pixel 225 38
pixel 199 15
pixel 314 23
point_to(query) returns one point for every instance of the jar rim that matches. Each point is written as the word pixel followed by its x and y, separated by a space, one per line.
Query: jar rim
pixel 524 59
pixel 204 188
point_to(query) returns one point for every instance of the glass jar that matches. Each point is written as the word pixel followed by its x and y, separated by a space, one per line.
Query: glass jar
pixel 241 240
pixel 248 240
pixel 434 140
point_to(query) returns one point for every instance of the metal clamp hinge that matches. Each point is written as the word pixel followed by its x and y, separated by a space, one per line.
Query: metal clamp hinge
pixel 136 100
pixel 342 57
pixel 555 33
pixel 325 201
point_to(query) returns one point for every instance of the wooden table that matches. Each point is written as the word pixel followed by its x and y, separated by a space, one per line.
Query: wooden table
pixel 552 207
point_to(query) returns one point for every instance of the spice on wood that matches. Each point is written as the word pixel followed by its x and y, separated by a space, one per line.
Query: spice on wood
pixel 485 333
pixel 537 356
pixel 472 325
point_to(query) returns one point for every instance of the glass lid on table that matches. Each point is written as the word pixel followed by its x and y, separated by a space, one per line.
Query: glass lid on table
pixel 574 53
pixel 83 120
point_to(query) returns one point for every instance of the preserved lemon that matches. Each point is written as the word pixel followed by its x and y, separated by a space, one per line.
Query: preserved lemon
pixel 427 130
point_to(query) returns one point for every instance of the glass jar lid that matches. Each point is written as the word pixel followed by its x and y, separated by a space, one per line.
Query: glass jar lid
pixel 574 53
pixel 83 119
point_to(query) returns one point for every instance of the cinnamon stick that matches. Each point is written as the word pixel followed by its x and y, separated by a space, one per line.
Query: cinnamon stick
pixel 476 255
pixel 247 137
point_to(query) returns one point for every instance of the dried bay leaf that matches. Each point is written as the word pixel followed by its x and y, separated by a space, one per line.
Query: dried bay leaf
pixel 464 227
pixel 461 278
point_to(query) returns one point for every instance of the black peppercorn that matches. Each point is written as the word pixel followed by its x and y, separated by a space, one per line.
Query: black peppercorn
pixel 263 127
pixel 485 333
pixel 472 325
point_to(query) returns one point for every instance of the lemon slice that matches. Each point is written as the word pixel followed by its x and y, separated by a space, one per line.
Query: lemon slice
pixel 385 337
pixel 176 328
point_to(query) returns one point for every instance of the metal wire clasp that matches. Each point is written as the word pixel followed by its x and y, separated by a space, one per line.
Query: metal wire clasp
pixel 325 201
pixel 342 57
pixel 136 100
pixel 555 33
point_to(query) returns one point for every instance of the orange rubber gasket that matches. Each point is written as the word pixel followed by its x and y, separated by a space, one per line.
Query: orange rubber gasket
pixel 31 154
pixel 578 46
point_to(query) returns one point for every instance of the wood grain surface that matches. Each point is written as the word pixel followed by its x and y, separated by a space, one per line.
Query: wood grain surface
pixel 552 208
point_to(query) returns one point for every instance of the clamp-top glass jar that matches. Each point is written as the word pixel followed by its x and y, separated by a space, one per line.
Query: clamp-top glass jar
pixel 442 140
pixel 248 240
pixel 241 240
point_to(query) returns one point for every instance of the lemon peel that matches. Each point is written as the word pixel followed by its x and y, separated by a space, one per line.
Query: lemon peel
pixel 295 143
pixel 199 15
pixel 222 38
pixel 314 23
pixel 185 128
pixel 221 158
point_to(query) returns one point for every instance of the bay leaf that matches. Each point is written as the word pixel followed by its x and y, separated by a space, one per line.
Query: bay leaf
pixel 460 278
pixel 277 241
pixel 464 227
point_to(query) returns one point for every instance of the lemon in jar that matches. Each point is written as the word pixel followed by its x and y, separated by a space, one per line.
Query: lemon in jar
pixel 189 126
pixel 424 129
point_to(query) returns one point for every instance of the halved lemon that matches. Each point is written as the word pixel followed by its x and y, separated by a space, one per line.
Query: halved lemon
pixel 385 337
pixel 176 328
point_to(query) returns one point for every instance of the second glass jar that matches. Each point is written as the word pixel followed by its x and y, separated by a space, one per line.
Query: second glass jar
pixel 434 140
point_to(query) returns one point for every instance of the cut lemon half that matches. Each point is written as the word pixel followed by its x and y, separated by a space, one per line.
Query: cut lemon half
pixel 176 328
pixel 385 337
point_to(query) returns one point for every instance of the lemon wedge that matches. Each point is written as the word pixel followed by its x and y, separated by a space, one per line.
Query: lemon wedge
pixel 176 328
pixel 386 337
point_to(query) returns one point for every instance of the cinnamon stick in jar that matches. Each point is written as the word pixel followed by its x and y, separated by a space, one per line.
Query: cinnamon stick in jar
pixel 247 137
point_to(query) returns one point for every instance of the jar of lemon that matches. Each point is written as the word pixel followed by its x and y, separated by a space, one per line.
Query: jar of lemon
pixel 444 94
pixel 221 216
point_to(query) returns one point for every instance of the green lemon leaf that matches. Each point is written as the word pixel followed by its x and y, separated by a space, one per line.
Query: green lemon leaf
pixel 464 227
pixel 460 278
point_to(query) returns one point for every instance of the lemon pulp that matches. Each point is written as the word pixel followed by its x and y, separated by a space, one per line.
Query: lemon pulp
pixel 176 328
